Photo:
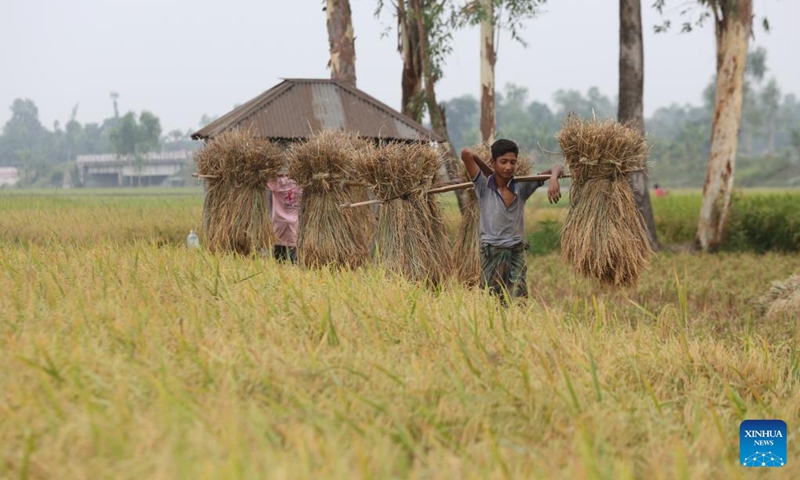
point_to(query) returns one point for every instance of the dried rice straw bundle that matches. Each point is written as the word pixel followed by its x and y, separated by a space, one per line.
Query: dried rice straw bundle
pixel 359 191
pixel 411 239
pixel 467 248
pixel 328 235
pixel 466 252
pixel 237 166
pixel 604 236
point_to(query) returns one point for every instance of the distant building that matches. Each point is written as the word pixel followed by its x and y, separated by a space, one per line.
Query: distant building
pixel 9 176
pixel 111 170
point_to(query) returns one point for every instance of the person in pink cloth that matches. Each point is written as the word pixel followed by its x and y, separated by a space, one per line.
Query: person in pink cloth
pixel 286 195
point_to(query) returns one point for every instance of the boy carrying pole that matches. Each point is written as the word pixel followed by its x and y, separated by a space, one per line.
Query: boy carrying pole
pixel 502 202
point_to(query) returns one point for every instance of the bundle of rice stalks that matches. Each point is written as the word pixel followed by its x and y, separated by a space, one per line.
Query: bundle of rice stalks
pixel 237 166
pixel 328 235
pixel 411 239
pixel 783 298
pixel 367 217
pixel 604 236
pixel 239 157
pixel 466 254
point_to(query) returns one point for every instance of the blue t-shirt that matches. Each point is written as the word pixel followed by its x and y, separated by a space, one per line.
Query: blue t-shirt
pixel 502 226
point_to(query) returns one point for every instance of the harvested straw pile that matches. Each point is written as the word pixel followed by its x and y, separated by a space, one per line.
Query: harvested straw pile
pixel 237 166
pixel 328 235
pixel 604 236
pixel 466 252
pixel 782 299
pixel 411 238
pixel 467 255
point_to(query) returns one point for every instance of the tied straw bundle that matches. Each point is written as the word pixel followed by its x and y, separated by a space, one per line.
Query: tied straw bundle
pixel 604 236
pixel 237 166
pixel 411 239
pixel 323 166
pixel 468 238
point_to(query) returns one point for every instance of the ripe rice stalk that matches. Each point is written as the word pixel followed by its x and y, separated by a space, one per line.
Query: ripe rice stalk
pixel 466 252
pixel 604 236
pixel 328 235
pixel 411 237
pixel 236 212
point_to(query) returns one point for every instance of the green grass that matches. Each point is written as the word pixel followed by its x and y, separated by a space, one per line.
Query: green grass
pixel 761 220
pixel 125 355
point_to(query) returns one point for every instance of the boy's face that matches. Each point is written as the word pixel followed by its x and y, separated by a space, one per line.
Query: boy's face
pixel 505 165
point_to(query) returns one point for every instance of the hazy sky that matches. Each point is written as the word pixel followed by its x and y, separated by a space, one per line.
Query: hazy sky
pixel 184 58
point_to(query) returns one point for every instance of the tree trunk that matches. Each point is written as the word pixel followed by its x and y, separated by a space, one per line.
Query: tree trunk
pixel 631 103
pixel 342 41
pixel 435 110
pixel 488 59
pixel 733 32
pixel 412 104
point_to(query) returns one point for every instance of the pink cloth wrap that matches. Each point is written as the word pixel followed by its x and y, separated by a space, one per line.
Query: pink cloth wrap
pixel 286 197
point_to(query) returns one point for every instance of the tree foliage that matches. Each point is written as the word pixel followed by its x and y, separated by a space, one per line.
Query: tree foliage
pixel 42 153
pixel 509 16
pixel 679 134
pixel 130 137
pixel 693 17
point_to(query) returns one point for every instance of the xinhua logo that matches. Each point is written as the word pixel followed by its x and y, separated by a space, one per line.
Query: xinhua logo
pixel 762 443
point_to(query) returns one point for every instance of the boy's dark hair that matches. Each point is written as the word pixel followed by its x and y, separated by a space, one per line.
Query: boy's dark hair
pixel 503 146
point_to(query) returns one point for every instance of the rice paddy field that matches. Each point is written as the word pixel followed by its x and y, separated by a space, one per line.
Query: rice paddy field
pixel 125 355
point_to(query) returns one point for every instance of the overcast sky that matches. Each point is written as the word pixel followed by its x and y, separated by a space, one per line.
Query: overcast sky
pixel 184 58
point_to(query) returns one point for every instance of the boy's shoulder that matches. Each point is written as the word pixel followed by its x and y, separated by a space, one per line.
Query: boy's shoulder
pixel 480 181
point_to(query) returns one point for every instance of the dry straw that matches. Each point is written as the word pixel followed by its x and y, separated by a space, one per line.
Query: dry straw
pixel 237 166
pixel 467 256
pixel 782 299
pixel 411 239
pixel 324 168
pixel 604 236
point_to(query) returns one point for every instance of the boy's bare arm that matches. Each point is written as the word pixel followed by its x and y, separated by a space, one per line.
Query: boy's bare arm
pixel 486 169
pixel 555 170
pixel 553 188
pixel 469 158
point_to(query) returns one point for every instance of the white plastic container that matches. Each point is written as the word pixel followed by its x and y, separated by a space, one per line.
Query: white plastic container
pixel 192 241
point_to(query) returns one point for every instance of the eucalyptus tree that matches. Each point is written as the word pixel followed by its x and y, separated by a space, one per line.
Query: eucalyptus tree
pixel 494 17
pixel 631 99
pixel 733 21
pixel 341 39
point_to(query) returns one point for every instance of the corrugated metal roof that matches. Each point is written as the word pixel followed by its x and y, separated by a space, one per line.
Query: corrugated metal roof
pixel 295 108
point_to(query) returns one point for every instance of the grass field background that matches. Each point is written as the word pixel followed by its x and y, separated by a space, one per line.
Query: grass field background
pixel 125 355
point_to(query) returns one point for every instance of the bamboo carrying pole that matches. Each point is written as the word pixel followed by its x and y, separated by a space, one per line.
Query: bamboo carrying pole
pixel 453 187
